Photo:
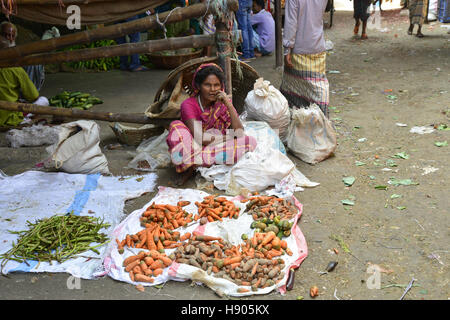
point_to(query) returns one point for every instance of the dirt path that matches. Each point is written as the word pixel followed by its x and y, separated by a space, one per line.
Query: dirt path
pixel 390 78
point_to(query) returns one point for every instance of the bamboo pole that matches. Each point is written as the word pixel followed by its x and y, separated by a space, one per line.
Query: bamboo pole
pixel 223 43
pixel 83 114
pixel 278 35
pixel 113 31
pixel 126 49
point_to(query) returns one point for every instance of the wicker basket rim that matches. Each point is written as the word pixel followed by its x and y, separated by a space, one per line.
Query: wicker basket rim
pixel 175 72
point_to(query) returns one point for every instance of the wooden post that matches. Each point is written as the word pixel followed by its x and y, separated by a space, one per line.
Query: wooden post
pixel 278 35
pixel 223 43
pixel 83 114
pixel 126 49
pixel 113 31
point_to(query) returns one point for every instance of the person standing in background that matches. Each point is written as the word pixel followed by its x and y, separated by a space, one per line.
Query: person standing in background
pixel 304 79
pixel 245 25
pixel 361 13
pixel 417 13
pixel 133 62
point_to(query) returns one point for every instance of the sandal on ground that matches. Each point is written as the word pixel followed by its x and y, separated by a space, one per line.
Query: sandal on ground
pixel 420 35
pixel 364 36
pixel 138 69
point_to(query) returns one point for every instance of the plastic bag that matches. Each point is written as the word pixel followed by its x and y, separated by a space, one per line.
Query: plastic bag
pixel 266 103
pixel 265 166
pixel 77 149
pixel 311 136
pixel 152 154
pixel 36 135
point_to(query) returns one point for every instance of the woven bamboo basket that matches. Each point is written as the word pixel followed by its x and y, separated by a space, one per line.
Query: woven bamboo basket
pixel 241 86
pixel 133 136
pixel 173 61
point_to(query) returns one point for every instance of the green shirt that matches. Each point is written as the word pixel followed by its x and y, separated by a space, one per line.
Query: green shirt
pixel 15 83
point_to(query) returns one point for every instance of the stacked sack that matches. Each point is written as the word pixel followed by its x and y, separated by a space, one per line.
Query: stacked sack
pixel 266 103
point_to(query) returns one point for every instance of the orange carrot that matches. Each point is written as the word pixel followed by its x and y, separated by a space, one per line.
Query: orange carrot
pixel 267 238
pixel 148 272
pixel 232 260
pixel 185 236
pixel 171 208
pixel 157 264
pixel 166 260
pixel 159 246
pixel 283 244
pixel 131 275
pixel 143 278
pixel 131 265
pixel 137 270
pixel 183 203
pixel 254 269
pixel 157 272
pixel 215 269
pixel 149 261
pixel 242 290
pixel 130 259
pixel 289 252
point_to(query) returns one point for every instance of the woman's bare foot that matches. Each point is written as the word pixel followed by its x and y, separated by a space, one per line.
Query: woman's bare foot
pixel 184 176
pixel 356 30
pixel 364 36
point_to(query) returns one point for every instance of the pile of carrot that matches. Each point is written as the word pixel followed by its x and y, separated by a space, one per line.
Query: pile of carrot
pixel 215 208
pixel 159 221
pixel 146 265
pixel 168 216
pixel 269 207
pixel 242 264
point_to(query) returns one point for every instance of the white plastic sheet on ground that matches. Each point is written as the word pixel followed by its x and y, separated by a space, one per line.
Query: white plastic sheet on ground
pixel 266 166
pixel 35 195
pixel 229 229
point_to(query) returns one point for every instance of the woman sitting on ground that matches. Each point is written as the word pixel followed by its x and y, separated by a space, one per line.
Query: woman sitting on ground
pixel 203 136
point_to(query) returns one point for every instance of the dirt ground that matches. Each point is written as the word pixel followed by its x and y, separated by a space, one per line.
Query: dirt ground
pixel 390 78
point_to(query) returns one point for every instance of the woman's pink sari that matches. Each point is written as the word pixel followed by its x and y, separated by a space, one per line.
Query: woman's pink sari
pixel 185 152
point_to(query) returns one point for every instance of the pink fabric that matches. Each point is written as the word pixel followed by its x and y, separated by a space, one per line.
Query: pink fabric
pixel 185 152
pixel 217 116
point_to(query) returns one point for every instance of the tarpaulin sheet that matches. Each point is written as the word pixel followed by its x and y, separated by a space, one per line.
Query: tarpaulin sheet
pixel 35 195
pixel 229 229
pixel 91 13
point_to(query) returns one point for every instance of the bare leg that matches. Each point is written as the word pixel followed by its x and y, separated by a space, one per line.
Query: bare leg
pixel 419 32
pixel 356 29
pixel 184 176
pixel 364 35
pixel 410 30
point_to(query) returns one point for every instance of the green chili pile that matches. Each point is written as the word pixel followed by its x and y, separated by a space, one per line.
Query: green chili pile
pixel 57 238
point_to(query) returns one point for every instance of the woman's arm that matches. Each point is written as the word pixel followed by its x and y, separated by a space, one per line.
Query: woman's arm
pixel 236 123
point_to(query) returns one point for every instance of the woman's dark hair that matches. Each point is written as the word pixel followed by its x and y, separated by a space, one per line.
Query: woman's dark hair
pixel 202 74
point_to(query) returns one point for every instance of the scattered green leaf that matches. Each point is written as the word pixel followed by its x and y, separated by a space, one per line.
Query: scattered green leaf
pixel 395 196
pixel 443 127
pixel 372 177
pixel 381 187
pixel 441 144
pixel 401 208
pixel 403 182
pixel 360 163
pixel 348 181
pixel 401 155
pixel 391 163
pixel 341 242
pixel 348 202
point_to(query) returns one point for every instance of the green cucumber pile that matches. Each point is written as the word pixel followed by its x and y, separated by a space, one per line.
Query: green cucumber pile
pixel 74 100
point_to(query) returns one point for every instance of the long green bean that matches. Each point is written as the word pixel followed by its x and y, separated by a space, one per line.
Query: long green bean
pixel 57 238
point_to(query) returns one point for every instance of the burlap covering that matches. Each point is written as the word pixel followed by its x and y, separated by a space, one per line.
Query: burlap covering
pixel 91 13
